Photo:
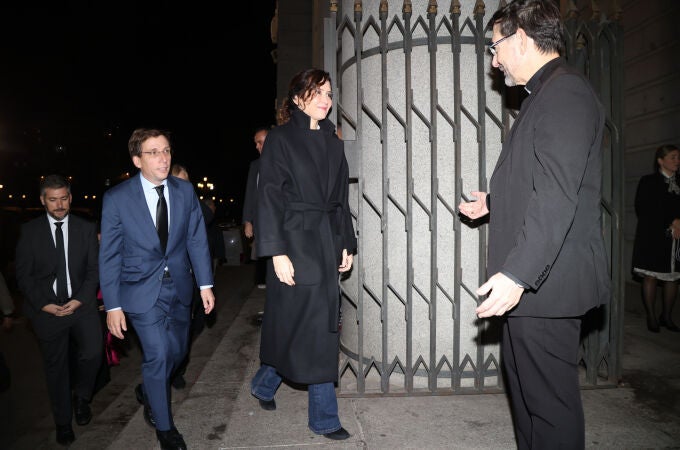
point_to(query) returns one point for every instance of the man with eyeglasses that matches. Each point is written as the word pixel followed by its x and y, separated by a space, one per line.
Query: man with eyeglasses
pixel 152 237
pixel 547 261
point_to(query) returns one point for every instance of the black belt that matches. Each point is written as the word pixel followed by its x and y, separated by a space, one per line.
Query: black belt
pixel 166 274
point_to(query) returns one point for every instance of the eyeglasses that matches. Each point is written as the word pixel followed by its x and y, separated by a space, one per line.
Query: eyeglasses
pixel 158 153
pixel 328 94
pixel 492 46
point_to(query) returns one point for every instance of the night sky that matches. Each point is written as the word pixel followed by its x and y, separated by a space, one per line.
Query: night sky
pixel 76 79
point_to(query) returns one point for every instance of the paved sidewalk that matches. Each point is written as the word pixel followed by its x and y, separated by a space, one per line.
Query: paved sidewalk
pixel 220 413
pixel 216 410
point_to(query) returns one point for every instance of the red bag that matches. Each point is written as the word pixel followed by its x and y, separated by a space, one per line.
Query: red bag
pixel 112 356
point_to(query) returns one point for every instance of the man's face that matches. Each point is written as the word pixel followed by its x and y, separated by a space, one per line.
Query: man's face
pixel 57 202
pixel 505 57
pixel 154 168
pixel 259 138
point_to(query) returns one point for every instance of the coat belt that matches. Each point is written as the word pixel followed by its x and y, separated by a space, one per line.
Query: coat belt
pixel 333 281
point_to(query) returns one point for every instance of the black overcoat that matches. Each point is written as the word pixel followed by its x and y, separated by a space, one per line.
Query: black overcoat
pixel 303 212
pixel 544 226
pixel 656 208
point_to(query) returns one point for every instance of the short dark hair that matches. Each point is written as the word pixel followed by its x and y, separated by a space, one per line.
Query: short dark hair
pixel 54 181
pixel 540 20
pixel 661 152
pixel 176 168
pixel 259 128
pixel 142 134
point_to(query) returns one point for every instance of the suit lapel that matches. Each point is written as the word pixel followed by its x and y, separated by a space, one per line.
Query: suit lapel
pixel 73 231
pixel 48 240
pixel 176 219
pixel 139 210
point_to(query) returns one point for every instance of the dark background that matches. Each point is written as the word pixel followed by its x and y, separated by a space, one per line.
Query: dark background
pixel 77 78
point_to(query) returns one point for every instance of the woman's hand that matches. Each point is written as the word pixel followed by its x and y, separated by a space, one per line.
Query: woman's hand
pixel 347 260
pixel 283 268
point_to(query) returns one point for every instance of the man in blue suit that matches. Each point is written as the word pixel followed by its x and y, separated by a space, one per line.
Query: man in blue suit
pixel 152 237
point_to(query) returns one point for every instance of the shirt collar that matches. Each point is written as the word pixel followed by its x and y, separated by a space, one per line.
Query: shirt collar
pixel 534 81
pixel 148 185
pixel 52 220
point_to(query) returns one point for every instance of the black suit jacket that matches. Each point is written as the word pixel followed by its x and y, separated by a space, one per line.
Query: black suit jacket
pixel 545 224
pixel 250 199
pixel 36 266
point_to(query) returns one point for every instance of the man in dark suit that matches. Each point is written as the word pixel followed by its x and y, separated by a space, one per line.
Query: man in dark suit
pixel 62 308
pixel 153 244
pixel 547 260
pixel 250 205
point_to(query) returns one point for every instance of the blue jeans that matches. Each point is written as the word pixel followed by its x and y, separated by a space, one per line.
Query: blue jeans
pixel 323 404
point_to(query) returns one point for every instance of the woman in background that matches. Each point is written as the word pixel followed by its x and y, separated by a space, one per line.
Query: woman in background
pixel 304 224
pixel 656 249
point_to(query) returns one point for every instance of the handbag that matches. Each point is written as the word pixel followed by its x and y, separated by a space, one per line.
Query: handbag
pixel 112 357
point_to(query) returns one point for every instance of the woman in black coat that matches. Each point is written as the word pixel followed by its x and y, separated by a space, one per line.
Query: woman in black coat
pixel 304 224
pixel 656 249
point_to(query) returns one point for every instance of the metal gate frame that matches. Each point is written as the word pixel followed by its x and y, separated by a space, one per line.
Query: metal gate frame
pixel 595 46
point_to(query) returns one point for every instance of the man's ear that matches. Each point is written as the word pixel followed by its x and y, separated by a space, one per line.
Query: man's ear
pixel 525 41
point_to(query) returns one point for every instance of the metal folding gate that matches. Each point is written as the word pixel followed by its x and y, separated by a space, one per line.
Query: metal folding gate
pixel 423 120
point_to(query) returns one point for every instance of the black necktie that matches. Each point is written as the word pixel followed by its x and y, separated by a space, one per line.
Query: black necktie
pixel 162 217
pixel 62 288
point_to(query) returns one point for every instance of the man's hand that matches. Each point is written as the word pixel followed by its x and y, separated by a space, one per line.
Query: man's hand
pixel 347 260
pixel 248 229
pixel 57 310
pixel 115 322
pixel 283 268
pixel 505 294
pixel 208 298
pixel 71 306
pixel 476 208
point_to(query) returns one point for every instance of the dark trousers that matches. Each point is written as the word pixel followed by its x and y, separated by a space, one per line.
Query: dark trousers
pixel 163 332
pixel 540 361
pixel 198 323
pixel 55 335
pixel 261 270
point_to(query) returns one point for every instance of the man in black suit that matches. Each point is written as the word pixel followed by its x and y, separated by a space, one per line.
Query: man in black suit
pixel 61 314
pixel 546 258
pixel 250 205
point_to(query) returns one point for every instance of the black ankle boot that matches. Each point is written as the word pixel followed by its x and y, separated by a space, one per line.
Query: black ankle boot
pixel 652 324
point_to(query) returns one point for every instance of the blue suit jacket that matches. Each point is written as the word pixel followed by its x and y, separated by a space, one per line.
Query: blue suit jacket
pixel 131 262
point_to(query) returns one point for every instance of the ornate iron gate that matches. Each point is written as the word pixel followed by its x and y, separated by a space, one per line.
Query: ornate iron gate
pixel 423 121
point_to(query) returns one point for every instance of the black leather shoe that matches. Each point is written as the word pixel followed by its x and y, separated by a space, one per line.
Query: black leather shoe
pixel 65 435
pixel 81 410
pixel 338 435
pixel 670 326
pixel 171 440
pixel 179 382
pixel 268 405
pixel 148 415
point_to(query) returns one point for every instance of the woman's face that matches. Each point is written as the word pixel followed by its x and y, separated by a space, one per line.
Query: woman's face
pixel 318 104
pixel 669 163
